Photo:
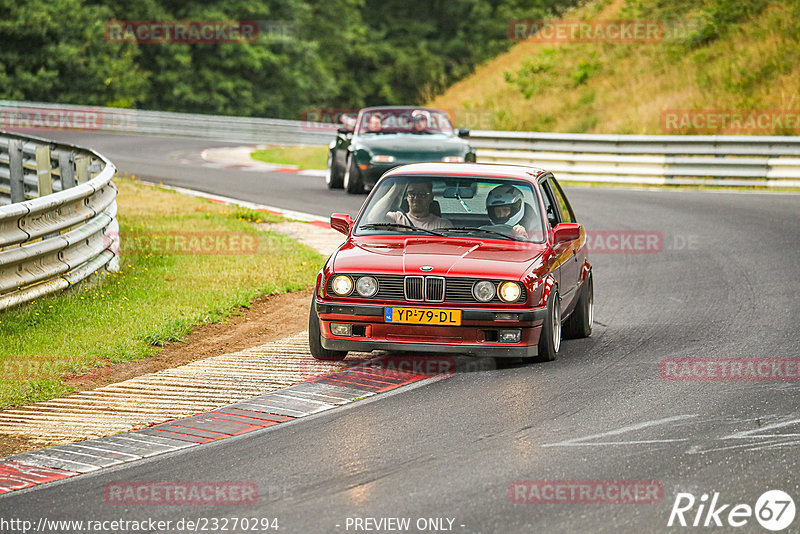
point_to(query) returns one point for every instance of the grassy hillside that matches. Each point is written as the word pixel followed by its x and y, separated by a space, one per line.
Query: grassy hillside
pixel 725 55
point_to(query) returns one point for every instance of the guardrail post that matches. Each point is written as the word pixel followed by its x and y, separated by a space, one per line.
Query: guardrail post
pixel 16 173
pixel 66 168
pixel 94 169
pixel 81 168
pixel 43 167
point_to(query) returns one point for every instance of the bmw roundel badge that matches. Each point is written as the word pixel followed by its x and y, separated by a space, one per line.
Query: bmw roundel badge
pixel 426 268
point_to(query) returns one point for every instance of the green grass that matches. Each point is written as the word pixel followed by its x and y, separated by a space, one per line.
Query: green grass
pixel 729 55
pixel 303 157
pixel 156 297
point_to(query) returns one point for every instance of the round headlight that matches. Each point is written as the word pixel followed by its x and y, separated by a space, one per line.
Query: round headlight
pixel 342 285
pixel 483 291
pixel 367 286
pixel 509 291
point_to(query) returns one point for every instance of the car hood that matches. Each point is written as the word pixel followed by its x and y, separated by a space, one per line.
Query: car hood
pixel 409 144
pixel 447 257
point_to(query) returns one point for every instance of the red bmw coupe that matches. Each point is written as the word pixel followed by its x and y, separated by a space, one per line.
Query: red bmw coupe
pixel 475 259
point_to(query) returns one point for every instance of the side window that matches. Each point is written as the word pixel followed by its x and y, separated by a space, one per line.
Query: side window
pixel 561 200
pixel 549 205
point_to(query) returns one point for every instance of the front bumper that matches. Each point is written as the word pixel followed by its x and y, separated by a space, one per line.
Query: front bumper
pixel 476 336
pixel 375 170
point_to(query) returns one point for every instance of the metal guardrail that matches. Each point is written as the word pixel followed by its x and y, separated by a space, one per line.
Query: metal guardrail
pixel 33 115
pixel 722 160
pixel 57 217
pixel 771 161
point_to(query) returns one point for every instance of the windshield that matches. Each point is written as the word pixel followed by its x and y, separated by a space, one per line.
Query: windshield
pixel 413 121
pixel 475 207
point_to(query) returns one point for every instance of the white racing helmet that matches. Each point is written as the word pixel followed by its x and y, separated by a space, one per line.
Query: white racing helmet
pixel 505 195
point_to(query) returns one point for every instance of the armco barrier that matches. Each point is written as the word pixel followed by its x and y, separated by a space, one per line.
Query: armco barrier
pixel 772 161
pixel 57 217
pixel 725 160
pixel 28 116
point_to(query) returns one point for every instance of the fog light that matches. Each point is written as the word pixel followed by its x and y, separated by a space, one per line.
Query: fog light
pixel 340 329
pixel 510 336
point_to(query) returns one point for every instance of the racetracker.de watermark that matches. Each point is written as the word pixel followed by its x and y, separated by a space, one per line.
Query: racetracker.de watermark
pixel 624 241
pixel 27 368
pixel 176 493
pixel 181 31
pixel 388 366
pixel 638 242
pixel 50 119
pixel 585 492
pixel 730 369
pixel 586 31
pixel 763 121
pixel 183 243
pixel 327 119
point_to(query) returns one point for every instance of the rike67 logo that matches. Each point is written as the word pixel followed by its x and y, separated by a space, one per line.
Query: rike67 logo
pixel 774 510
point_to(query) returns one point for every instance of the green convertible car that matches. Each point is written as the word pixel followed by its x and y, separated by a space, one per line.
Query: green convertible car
pixel 382 138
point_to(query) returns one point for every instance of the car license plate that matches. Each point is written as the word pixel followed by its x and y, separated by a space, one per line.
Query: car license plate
pixel 422 316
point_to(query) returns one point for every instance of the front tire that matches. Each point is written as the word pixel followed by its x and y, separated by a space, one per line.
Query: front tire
pixel 315 343
pixel 333 179
pixel 353 183
pixel 579 324
pixel 550 338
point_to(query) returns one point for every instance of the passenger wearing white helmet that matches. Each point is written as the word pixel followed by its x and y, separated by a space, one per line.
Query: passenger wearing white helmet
pixel 505 206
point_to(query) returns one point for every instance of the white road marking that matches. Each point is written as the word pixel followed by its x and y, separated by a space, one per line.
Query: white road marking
pixel 745 434
pixel 579 442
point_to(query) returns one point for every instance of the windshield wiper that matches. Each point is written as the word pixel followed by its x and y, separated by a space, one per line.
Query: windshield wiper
pixel 398 225
pixel 485 231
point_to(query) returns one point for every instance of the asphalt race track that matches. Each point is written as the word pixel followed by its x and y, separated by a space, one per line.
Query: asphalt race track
pixel 722 284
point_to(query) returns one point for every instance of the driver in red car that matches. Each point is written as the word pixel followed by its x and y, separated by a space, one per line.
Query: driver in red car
pixel 420 202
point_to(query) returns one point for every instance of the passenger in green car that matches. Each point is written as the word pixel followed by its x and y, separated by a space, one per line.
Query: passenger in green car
pixel 420 123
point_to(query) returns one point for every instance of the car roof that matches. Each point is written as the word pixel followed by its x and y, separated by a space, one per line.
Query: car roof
pixel 493 170
pixel 379 108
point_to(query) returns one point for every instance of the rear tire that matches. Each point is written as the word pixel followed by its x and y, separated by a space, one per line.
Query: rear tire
pixel 579 324
pixel 315 343
pixel 333 179
pixel 550 338
pixel 352 178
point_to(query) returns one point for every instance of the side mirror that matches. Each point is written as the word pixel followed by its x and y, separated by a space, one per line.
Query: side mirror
pixel 566 232
pixel 341 222
pixel 463 132
pixel 344 130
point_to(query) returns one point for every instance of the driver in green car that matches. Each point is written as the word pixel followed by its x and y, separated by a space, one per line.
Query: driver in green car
pixel 374 123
